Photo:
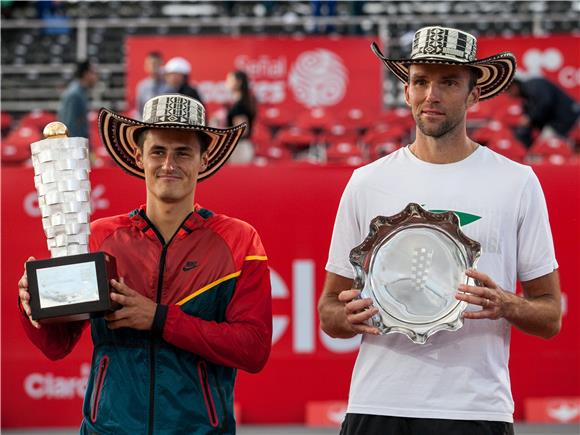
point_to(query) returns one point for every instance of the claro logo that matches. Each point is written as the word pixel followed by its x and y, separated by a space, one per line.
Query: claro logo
pixel 49 386
pixel 98 201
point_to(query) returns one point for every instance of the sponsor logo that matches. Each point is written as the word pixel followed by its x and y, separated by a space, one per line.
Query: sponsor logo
pixel 565 412
pixel 48 386
pixel 189 265
pixel 336 414
pixel 325 414
pixel 318 78
pixel 536 62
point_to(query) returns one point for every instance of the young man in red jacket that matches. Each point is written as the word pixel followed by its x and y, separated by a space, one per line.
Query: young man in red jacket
pixel 194 286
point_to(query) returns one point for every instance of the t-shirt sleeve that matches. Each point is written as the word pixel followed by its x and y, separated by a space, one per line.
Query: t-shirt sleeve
pixel 346 235
pixel 536 256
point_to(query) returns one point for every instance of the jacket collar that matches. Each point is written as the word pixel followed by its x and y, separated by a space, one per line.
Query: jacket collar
pixel 194 220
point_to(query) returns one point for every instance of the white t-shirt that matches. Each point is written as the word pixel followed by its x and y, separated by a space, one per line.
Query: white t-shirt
pixel 460 374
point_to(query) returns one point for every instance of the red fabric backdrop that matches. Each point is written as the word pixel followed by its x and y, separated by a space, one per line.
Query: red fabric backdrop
pixel 293 208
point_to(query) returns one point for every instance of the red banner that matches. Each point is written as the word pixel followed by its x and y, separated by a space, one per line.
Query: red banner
pixel 556 57
pixel 293 208
pixel 293 73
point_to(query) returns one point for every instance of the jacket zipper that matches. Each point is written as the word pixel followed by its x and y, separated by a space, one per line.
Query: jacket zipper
pixel 223 401
pixel 207 396
pixel 153 342
pixel 97 387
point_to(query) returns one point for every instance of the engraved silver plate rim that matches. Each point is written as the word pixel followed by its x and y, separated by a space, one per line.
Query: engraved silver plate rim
pixel 413 215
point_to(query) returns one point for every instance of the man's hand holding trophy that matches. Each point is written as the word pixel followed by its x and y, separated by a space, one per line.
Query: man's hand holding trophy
pixel 74 284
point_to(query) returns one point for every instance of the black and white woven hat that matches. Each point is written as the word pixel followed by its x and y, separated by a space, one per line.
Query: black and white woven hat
pixel 171 111
pixel 443 45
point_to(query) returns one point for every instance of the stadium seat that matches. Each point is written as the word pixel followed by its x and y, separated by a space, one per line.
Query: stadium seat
pixel 548 147
pixel 401 117
pixel 340 133
pixel 383 133
pixel 491 131
pixel 357 119
pixel 295 139
pixel 382 148
pixel 274 118
pixel 344 153
pixel 575 137
pixel 271 152
pixel 317 120
pixel 481 111
pixel 16 146
pixel 509 112
pixel 508 147
pixel 37 119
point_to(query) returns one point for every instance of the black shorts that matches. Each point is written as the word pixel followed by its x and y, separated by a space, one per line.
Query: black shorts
pixel 363 424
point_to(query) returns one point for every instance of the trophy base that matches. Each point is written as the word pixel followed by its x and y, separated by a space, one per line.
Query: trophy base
pixel 71 288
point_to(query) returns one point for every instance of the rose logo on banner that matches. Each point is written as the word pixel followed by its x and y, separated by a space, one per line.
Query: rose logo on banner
pixel 318 78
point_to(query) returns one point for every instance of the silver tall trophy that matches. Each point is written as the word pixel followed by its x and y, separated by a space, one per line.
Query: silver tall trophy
pixel 73 284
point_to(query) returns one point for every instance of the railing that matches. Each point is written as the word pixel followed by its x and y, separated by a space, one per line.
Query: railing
pixel 381 26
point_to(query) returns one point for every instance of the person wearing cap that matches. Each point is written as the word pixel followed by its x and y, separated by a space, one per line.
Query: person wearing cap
pixel 193 286
pixel 176 72
pixel 458 382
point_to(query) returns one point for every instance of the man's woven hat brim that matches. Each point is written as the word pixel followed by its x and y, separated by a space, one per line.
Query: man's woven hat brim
pixel 118 134
pixel 496 72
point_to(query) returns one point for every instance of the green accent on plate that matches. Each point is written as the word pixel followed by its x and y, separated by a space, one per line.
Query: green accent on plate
pixel 464 218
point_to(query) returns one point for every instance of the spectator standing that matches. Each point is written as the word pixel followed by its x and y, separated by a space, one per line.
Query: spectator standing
pixel 242 109
pixel 151 86
pixel 176 72
pixel 74 103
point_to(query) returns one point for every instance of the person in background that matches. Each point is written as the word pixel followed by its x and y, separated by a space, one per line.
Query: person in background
pixel 242 109
pixel 176 72
pixel 74 107
pixel 151 86
pixel 548 109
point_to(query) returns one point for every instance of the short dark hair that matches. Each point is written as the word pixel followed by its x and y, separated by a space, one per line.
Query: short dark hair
pixel 474 75
pixel 82 68
pixel 204 139
pixel 155 54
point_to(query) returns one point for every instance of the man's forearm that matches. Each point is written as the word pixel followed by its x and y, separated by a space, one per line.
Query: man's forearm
pixel 540 316
pixel 333 318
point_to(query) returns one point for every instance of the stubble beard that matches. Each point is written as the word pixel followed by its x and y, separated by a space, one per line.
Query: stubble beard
pixel 438 130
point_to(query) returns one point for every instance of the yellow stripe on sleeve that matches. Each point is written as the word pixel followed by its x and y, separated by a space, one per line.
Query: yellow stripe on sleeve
pixel 255 257
pixel 209 286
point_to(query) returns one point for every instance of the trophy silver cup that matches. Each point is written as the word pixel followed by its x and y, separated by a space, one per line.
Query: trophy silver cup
pixel 73 284
pixel 411 265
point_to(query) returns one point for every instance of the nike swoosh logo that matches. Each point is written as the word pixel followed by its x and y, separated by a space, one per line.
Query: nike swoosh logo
pixel 189 265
